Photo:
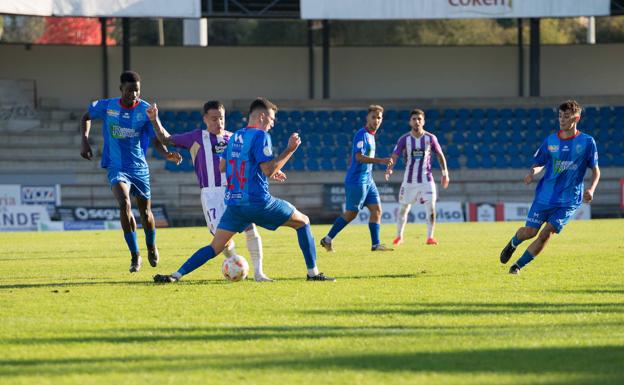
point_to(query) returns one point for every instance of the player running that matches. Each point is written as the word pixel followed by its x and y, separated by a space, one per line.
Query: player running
pixel 418 184
pixel 566 156
pixel 127 132
pixel 206 148
pixel 248 162
pixel 360 188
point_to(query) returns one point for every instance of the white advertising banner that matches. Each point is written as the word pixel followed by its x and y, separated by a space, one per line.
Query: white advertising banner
pixel 10 195
pixel 96 8
pixel 519 211
pixel 445 212
pixel 22 217
pixel 449 9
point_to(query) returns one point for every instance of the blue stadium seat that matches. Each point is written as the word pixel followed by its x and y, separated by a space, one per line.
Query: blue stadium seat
pixel 516 125
pixel 391 115
pixel 491 113
pixel 309 116
pixel 328 140
pixel 445 125
pixel 618 160
pixel 295 115
pixel 281 116
pixel 362 115
pixel 521 113
pixel 605 160
pixel 342 140
pixel 461 124
pixel 312 152
pixel 313 165
pixel 478 113
pixel 589 123
pixel 452 150
pixel 452 163
pixel 531 125
pixel 548 125
pixel 501 161
pixel 156 154
pixel 534 114
pixel 517 162
pixel 487 136
pixel 404 115
pixel 605 112
pixel 432 114
pixel 327 165
pixel 450 113
pixel 513 149
pixel 196 116
pixel 298 164
pixel 237 116
pixel 170 166
pixel 549 113
pixel 505 113
pixel 458 137
pixel 352 115
pixel 328 152
pixel 463 113
pixel 340 164
pixel 470 151
pixel 287 166
pixel 475 125
pixel 336 115
pixel 503 125
pixel 472 162
pixel 604 124
pixel 183 116
pixel 487 162
pixel 169 115
pixel 322 115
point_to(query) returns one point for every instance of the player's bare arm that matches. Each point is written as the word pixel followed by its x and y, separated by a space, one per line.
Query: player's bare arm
pixel 163 136
pixel 534 170
pixel 367 159
pixel 389 169
pixel 443 167
pixel 85 128
pixel 271 167
pixel 588 194
pixel 174 156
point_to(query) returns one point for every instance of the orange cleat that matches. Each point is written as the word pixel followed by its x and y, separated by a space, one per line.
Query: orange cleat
pixel 431 241
pixel 397 241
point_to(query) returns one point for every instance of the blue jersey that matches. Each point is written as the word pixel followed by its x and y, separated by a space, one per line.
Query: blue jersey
pixel 361 173
pixel 127 133
pixel 246 183
pixel 565 161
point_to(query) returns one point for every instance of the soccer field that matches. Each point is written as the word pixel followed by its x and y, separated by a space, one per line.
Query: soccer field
pixel 446 314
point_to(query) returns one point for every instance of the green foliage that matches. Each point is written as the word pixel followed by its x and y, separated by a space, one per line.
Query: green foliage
pixel 446 314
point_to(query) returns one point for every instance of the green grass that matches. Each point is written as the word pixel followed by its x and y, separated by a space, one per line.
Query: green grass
pixel 72 314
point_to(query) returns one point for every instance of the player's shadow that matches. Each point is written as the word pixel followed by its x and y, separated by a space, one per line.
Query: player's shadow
pixel 477 308
pixel 593 291
pixel 563 365
pixel 148 282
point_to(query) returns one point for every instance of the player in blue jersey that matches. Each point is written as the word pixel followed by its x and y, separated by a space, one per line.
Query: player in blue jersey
pixel 565 156
pixel 248 162
pixel 360 188
pixel 127 131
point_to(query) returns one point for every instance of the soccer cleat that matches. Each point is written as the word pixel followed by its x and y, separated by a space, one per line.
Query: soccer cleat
pixel 262 278
pixel 327 245
pixel 158 278
pixel 135 262
pixel 381 247
pixel 397 241
pixel 507 253
pixel 514 269
pixel 152 256
pixel 320 277
pixel 431 241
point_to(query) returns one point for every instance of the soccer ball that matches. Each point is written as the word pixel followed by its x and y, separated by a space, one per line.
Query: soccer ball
pixel 235 268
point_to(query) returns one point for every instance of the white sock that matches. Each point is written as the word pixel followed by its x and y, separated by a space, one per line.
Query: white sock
pixel 312 272
pixel 176 275
pixel 327 239
pixel 402 219
pixel 430 224
pixel 229 249
pixel 254 246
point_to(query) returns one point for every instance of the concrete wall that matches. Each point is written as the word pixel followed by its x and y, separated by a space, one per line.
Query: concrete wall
pixel 71 76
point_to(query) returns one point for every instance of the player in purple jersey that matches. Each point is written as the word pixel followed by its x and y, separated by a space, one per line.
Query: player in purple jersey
pixel 565 157
pixel 206 148
pixel 418 185
pixel 127 132
pixel 250 162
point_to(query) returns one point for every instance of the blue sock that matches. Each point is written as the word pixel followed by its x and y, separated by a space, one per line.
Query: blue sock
pixel 200 257
pixel 150 237
pixel 515 242
pixel 306 243
pixel 374 231
pixel 338 225
pixel 131 240
pixel 525 259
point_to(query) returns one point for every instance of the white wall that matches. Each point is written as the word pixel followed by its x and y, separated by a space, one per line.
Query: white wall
pixel 73 74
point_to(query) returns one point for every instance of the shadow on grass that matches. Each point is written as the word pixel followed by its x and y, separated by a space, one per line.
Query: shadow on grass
pixel 575 365
pixel 148 282
pixel 462 308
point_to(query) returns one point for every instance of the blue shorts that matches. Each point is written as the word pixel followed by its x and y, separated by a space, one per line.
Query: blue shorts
pixel 270 216
pixel 137 180
pixel 556 216
pixel 360 195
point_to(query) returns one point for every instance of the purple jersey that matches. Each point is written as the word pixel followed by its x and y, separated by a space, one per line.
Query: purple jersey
pixel 418 156
pixel 206 149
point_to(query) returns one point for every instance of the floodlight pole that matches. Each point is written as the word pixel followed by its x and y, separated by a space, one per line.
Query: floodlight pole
pixel 104 57
pixel 310 61
pixel 125 23
pixel 520 59
pixel 534 66
pixel 325 59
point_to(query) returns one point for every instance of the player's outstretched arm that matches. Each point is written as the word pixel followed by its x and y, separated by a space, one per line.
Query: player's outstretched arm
pixel 271 167
pixel 443 167
pixel 163 136
pixel 588 194
pixel 534 170
pixel 390 167
pixel 174 156
pixel 85 128
pixel 367 159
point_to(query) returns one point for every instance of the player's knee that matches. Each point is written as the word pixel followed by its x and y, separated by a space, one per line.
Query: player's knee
pixel 124 204
pixel 546 233
pixel 528 232
pixel 349 215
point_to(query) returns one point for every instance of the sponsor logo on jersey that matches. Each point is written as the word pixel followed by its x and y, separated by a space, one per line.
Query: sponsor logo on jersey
pixel 360 144
pixel 219 147
pixel 553 147
pixel 238 138
pixel 418 153
pixel 112 113
pixel 565 148
pixel 564 165
pixel 267 151
pixel 119 132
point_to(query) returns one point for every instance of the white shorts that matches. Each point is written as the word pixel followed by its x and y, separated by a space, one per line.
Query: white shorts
pixel 422 193
pixel 212 199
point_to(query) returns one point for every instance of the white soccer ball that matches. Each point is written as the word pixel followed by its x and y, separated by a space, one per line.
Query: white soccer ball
pixel 235 268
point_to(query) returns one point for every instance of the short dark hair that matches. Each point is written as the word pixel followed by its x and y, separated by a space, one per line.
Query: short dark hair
pixel 129 77
pixel 375 107
pixel 570 105
pixel 213 105
pixel 417 111
pixel 262 104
